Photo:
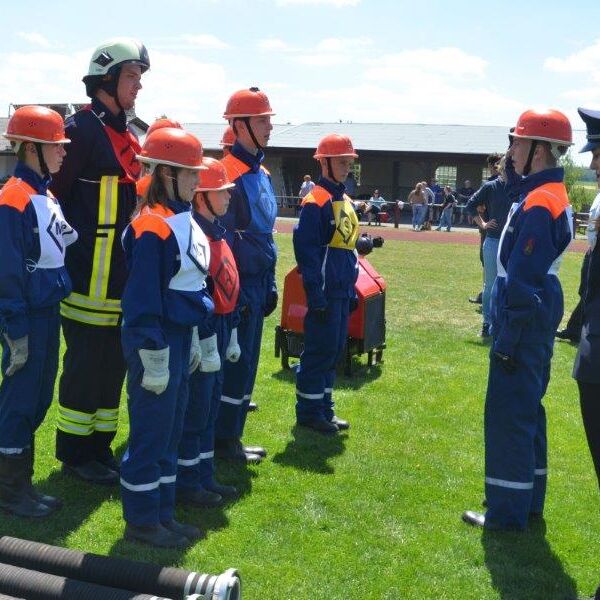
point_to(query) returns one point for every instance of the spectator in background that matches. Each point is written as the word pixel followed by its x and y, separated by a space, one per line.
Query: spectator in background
pixel 432 211
pixel 493 197
pixel 307 185
pixel 447 208
pixel 418 201
pixel 464 195
pixel 350 185
pixel 375 205
pixel 438 191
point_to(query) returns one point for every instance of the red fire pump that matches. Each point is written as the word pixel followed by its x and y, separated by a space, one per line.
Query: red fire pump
pixel 366 327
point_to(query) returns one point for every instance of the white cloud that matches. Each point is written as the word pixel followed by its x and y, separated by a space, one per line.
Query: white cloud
pixel 586 60
pixel 274 45
pixel 205 41
pixel 334 3
pixel 35 38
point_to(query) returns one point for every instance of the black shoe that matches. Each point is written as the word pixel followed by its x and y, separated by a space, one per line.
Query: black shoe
pixel 92 472
pixel 476 299
pixel 485 331
pixel 191 532
pixel 252 406
pixel 156 535
pixel 203 498
pixel 111 463
pixel 341 424
pixel 255 450
pixel 50 501
pixel 566 334
pixel 232 449
pixel 321 426
pixel 474 518
pixel 23 505
pixel 226 491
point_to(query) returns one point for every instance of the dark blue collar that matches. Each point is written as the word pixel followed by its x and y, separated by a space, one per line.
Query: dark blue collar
pixel 531 182
pixel 253 161
pixel 178 206
pixel 117 122
pixel 335 189
pixel 28 175
pixel 213 229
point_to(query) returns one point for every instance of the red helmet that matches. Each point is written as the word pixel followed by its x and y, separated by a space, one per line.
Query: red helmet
pixel 214 178
pixel 335 144
pixel 228 138
pixel 248 103
pixel 544 125
pixel 160 123
pixel 36 124
pixel 171 146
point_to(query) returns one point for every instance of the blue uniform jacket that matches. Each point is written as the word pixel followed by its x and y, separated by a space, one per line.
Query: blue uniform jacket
pixel 255 252
pixel 527 304
pixel 493 195
pixel 149 305
pixel 24 290
pixel 215 231
pixel 326 272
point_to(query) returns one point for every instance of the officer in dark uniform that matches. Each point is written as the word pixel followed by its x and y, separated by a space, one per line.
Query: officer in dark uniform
pixel 96 186
pixel 587 362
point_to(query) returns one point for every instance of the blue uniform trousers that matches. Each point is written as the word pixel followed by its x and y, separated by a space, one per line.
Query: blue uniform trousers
pixel 239 377
pixel 149 466
pixel 515 435
pixel 26 396
pixel 324 342
pixel 196 464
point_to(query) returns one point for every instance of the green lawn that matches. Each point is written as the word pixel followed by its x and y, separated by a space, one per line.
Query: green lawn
pixel 376 514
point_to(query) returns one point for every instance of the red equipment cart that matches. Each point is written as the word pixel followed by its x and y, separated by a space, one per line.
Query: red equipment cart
pixel 366 328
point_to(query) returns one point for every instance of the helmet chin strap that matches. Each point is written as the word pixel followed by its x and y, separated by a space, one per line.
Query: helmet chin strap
pixel 43 166
pixel 209 205
pixel 527 167
pixel 110 86
pixel 173 177
pixel 250 131
pixel 330 169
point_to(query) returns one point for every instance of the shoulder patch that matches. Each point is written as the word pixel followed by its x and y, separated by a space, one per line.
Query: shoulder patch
pixel 318 195
pixel 234 166
pixel 16 194
pixel 551 196
pixel 150 223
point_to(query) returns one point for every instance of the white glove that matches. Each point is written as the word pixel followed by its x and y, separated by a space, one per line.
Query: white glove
pixel 210 361
pixel 19 352
pixel 195 351
pixel 233 352
pixel 156 369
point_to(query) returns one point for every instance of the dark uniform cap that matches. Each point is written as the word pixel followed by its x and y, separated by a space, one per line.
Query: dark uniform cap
pixel 591 119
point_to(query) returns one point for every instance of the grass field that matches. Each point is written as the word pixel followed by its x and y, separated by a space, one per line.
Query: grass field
pixel 376 514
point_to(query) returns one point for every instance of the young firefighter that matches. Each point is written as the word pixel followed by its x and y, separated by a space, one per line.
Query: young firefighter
pixel 196 482
pixel 527 306
pixel 227 141
pixel 33 281
pixel 249 222
pixel 325 249
pixel 164 298
pixel 96 187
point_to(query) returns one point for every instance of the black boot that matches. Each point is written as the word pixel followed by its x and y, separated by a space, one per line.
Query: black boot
pixel 232 449
pixel 191 532
pixel 15 481
pixel 50 501
pixel 156 535
pixel 225 491
pixel 202 497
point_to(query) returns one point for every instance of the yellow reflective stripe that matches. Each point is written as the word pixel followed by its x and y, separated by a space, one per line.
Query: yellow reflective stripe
pixel 107 419
pixel 75 415
pixel 103 304
pixel 106 427
pixel 84 316
pixel 74 429
pixel 107 215
pixel 107 413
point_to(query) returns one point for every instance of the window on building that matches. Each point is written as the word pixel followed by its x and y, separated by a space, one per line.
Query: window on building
pixel 446 175
pixel 486 173
pixel 356 172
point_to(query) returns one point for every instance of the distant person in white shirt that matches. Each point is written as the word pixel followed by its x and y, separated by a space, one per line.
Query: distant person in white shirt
pixel 307 185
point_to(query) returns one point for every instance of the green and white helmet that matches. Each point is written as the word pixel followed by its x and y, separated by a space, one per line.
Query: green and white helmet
pixel 112 54
pixel 115 52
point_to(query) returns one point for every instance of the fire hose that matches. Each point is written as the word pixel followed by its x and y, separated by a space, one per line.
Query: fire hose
pixel 145 578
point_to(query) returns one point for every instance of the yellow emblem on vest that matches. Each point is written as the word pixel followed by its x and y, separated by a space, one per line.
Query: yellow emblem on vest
pixel 346 225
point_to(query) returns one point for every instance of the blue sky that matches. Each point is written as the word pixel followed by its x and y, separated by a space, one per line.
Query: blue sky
pixel 320 60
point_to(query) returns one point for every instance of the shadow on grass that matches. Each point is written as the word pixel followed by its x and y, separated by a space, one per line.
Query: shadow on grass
pixel 311 451
pixel 362 374
pixel 524 567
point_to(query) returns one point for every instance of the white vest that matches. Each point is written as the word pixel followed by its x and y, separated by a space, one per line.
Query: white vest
pixel 194 253
pixel 54 232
